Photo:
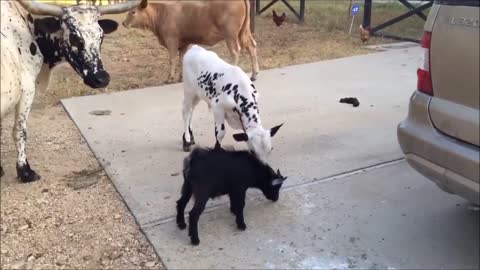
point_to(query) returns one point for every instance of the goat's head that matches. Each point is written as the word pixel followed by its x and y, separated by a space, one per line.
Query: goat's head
pixel 259 141
pixel 80 34
pixel 271 189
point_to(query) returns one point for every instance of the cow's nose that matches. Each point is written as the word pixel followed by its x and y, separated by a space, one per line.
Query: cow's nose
pixel 98 80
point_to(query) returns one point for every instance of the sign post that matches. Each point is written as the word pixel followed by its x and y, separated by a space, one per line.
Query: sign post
pixel 354 12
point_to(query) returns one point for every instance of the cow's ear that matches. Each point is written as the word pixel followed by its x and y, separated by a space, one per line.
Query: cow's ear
pixel 108 26
pixel 47 25
pixel 240 137
pixel 274 130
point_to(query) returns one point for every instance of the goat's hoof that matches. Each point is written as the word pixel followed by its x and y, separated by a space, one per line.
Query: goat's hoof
pixel 26 174
pixel 242 226
pixel 181 225
pixel 195 241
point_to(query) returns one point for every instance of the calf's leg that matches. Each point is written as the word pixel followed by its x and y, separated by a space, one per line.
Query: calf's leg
pixel 189 103
pixel 182 203
pixel 194 215
pixel 22 111
pixel 219 118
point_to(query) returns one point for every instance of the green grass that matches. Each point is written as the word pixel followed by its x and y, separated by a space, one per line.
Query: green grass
pixel 333 15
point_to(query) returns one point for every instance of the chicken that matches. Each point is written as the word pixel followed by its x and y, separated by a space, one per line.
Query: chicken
pixel 278 19
pixel 364 33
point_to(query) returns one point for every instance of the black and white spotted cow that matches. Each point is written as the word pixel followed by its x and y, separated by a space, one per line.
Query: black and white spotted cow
pixel 230 94
pixel 31 46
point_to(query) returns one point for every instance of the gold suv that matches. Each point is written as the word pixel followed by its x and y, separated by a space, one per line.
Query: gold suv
pixel 440 136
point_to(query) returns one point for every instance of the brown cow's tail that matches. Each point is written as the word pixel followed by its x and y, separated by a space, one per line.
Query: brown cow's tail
pixel 245 35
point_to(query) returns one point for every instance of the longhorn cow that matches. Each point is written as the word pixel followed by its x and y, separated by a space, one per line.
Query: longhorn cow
pixel 31 46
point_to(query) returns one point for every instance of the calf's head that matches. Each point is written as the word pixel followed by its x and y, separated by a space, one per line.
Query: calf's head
pixel 137 17
pixel 259 141
pixel 271 187
pixel 76 34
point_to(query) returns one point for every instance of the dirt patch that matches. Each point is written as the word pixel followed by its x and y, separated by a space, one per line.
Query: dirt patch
pixel 71 218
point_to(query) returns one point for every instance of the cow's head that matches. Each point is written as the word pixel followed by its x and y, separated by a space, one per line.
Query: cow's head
pixel 137 17
pixel 78 34
pixel 259 141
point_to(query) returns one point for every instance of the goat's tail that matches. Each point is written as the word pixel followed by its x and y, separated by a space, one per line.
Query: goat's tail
pixel 245 35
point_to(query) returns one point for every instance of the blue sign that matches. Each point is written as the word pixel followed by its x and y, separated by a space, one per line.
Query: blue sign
pixel 355 9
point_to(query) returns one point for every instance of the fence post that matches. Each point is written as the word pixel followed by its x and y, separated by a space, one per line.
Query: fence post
pixel 367 13
pixel 253 12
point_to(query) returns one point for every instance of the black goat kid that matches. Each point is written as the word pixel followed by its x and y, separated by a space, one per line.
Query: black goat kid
pixel 211 173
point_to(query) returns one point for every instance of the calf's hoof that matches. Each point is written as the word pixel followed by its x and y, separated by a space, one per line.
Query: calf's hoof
pixel 26 174
pixel 2 173
pixel 195 241
pixel 187 145
pixel 181 225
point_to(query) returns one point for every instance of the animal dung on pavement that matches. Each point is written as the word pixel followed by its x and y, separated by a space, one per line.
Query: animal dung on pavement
pixel 350 100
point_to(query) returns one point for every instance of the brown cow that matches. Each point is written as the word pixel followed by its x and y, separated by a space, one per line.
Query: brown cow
pixel 178 24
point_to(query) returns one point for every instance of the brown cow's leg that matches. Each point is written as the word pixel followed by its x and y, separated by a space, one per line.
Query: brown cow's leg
pixel 172 46
pixel 233 47
pixel 253 56
pixel 183 50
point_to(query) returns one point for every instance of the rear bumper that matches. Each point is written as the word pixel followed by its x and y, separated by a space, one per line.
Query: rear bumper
pixel 452 164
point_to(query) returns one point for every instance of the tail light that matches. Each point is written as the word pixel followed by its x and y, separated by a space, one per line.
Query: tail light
pixel 424 75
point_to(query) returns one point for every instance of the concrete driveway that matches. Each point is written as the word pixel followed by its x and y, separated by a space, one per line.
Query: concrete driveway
pixel 350 200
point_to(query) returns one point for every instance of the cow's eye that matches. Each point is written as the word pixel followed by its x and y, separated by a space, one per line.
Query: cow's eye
pixel 76 41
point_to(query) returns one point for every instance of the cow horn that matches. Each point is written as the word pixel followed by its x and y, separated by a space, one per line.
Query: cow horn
pixel 37 8
pixel 119 8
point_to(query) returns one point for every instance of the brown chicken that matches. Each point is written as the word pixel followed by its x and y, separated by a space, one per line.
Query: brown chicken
pixel 278 19
pixel 364 33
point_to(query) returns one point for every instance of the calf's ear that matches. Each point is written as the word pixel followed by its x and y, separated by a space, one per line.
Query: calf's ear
pixel 144 4
pixel 108 26
pixel 274 130
pixel 240 137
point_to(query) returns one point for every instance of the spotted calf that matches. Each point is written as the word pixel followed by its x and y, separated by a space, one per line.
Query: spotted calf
pixel 230 94
pixel 32 46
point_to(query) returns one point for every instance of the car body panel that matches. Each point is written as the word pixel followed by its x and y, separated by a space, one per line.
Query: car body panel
pixel 440 135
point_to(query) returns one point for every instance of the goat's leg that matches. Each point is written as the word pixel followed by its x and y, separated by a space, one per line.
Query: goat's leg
pixel 189 103
pixel 193 216
pixel 237 203
pixel 182 203
pixel 219 118
pixel 22 111
pixel 253 57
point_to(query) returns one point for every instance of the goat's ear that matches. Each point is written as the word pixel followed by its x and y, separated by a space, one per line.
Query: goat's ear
pixel 274 130
pixel 240 137
pixel 277 181
pixel 108 26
